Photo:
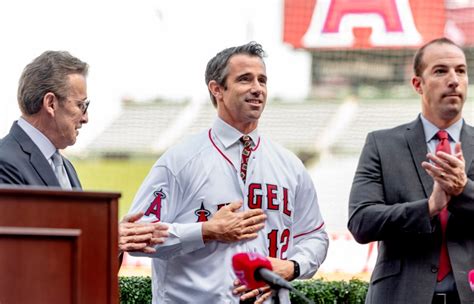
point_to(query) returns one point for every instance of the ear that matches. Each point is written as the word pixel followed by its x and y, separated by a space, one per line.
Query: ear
pixel 49 103
pixel 215 89
pixel 416 83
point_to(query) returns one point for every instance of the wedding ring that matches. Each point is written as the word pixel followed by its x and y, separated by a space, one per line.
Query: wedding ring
pixel 442 175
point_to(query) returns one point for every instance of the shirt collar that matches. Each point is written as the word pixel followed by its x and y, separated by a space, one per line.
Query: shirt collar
pixel 430 129
pixel 39 139
pixel 229 135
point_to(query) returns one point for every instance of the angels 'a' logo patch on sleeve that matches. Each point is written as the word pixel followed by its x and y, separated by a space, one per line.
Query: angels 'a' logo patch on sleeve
pixel 155 206
pixel 202 213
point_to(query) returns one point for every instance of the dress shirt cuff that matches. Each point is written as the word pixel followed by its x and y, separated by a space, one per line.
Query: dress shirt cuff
pixel 190 235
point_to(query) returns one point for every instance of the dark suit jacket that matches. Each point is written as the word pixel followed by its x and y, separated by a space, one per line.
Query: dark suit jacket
pixel 22 163
pixel 389 204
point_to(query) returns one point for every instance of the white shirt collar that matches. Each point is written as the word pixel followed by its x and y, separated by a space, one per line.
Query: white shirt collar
pixel 229 135
pixel 430 129
pixel 41 141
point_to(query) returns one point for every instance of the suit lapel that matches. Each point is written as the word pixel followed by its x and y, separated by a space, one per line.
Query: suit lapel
pixel 467 144
pixel 43 168
pixel 415 137
pixel 36 158
pixel 71 173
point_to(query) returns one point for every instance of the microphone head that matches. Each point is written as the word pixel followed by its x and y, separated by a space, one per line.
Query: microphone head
pixel 245 265
pixel 471 279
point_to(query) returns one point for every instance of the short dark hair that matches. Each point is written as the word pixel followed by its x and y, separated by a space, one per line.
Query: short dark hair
pixel 217 68
pixel 418 64
pixel 47 73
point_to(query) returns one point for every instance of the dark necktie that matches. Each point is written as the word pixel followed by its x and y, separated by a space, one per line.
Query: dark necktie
pixel 444 263
pixel 247 150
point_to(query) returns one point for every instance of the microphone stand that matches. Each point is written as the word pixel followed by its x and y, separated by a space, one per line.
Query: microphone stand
pixel 276 294
pixel 276 291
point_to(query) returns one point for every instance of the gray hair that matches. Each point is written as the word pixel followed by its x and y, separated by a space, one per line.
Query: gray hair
pixel 47 73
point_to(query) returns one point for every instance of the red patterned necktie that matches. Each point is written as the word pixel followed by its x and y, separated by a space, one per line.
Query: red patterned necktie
pixel 247 142
pixel 444 263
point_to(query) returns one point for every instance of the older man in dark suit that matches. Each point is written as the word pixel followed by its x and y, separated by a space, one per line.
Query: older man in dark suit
pixel 413 190
pixel 52 95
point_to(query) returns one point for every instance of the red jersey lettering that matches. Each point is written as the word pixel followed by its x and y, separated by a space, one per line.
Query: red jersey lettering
pixel 271 197
pixel 255 200
pixel 285 202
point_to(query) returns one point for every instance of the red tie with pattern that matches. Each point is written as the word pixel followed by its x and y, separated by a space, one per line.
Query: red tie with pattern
pixel 444 263
pixel 247 142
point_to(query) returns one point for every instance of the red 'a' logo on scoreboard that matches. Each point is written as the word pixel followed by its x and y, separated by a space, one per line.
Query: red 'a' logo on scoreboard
pixel 362 23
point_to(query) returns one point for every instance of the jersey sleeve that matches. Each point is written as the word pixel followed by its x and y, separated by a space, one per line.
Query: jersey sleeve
pixel 310 240
pixel 161 198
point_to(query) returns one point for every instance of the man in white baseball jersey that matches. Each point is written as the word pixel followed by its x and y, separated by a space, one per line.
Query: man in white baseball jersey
pixel 191 185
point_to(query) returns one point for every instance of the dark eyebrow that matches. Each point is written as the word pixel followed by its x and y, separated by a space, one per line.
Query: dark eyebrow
pixel 445 66
pixel 251 75
pixel 439 66
pixel 243 75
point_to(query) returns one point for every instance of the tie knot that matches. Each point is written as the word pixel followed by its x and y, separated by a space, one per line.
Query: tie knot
pixel 246 140
pixel 57 159
pixel 442 135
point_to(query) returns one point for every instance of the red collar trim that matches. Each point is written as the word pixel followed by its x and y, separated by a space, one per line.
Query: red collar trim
pixel 257 145
pixel 222 153
pixel 217 148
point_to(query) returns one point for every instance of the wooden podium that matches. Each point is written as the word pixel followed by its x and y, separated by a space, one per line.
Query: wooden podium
pixel 58 246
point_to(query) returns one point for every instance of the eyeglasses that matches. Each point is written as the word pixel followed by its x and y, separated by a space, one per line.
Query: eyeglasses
pixel 84 105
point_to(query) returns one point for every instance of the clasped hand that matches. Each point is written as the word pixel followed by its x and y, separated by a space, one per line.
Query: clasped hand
pixel 448 170
pixel 141 236
pixel 448 173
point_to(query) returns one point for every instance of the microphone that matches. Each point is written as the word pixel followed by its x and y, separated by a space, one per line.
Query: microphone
pixel 471 279
pixel 255 271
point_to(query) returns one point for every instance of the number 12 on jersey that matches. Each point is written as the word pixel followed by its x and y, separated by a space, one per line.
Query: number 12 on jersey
pixel 278 242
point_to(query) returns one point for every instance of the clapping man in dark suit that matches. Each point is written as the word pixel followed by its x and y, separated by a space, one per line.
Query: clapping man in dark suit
pixel 52 95
pixel 413 190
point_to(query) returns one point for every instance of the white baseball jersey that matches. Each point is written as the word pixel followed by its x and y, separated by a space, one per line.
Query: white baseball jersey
pixel 192 180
